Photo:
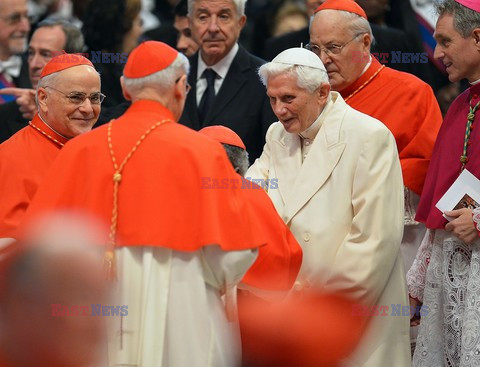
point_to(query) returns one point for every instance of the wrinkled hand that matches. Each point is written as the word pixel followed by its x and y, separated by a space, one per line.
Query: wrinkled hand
pixel 462 226
pixel 25 99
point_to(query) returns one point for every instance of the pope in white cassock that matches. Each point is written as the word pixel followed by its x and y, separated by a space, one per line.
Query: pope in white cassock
pixel 340 192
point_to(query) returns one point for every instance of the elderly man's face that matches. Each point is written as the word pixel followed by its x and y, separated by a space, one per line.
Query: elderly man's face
pixel 296 108
pixel 459 55
pixel 14 27
pixel 215 27
pixel 330 30
pixel 45 43
pixel 185 43
pixel 63 114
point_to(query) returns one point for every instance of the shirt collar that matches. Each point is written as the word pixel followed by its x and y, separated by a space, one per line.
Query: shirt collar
pixel 11 66
pixel 221 67
pixel 475 82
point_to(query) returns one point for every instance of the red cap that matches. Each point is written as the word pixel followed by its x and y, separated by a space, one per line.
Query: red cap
pixel 223 135
pixel 149 57
pixel 471 4
pixel 64 61
pixel 345 5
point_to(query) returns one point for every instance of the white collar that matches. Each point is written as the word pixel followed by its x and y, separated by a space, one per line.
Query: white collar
pixel 312 131
pixel 51 128
pixel 221 67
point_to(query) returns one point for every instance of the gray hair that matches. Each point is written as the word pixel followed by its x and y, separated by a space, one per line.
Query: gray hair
pixel 307 77
pixel 163 79
pixel 75 42
pixel 49 80
pixel 238 157
pixel 465 20
pixel 356 23
pixel 239 4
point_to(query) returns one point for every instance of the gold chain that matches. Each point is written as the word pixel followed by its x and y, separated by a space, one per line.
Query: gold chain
pixel 44 133
pixel 364 84
pixel 117 178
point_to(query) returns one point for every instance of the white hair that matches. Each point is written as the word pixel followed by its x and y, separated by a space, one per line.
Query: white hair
pixel 307 77
pixel 239 4
pixel 163 79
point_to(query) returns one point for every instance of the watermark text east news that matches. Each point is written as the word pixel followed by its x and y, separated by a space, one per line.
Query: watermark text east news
pixel 88 310
pixel 389 310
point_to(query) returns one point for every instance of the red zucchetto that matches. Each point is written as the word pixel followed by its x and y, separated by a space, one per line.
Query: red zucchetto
pixel 147 58
pixel 64 61
pixel 223 135
pixel 345 5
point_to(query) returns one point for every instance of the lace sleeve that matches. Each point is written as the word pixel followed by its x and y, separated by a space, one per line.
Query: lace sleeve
pixel 476 219
pixel 418 272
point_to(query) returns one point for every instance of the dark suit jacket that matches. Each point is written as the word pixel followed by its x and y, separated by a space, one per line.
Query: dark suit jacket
pixel 241 103
pixel 11 120
pixel 23 80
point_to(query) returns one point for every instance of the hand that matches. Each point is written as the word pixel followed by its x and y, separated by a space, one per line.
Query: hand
pixel 25 99
pixel 414 315
pixel 462 226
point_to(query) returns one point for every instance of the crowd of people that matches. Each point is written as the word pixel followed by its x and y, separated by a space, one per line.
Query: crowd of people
pixel 195 183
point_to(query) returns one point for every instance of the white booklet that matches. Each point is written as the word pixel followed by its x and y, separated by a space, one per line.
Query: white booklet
pixel 464 193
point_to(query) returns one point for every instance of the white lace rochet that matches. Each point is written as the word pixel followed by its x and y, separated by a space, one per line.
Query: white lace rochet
pixel 446 277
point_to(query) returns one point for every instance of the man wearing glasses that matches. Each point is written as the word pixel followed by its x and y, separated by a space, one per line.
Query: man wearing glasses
pixel 51 37
pixel 341 36
pixel 68 99
pixel 14 28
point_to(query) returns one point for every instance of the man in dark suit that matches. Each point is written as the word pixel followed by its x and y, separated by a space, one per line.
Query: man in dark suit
pixel 225 87
pixel 51 37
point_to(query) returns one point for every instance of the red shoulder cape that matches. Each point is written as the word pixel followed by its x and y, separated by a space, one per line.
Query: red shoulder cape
pixel 407 106
pixel 278 263
pixel 24 161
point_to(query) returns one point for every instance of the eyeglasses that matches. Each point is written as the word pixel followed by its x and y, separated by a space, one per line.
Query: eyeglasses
pixel 80 97
pixel 329 50
pixel 15 18
pixel 187 85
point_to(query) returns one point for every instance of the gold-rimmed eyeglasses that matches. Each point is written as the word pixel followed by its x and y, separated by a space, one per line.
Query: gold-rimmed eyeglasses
pixel 15 18
pixel 80 97
pixel 329 50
